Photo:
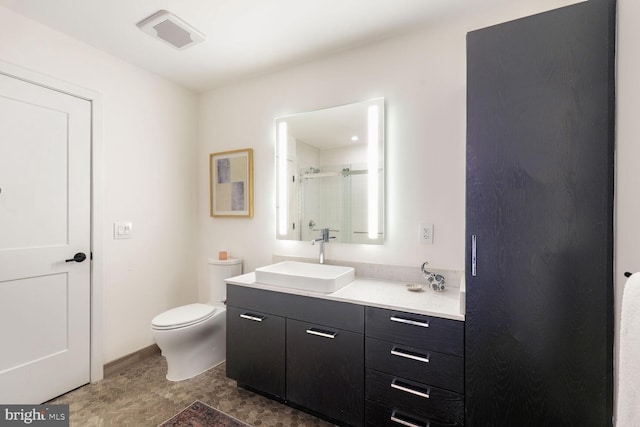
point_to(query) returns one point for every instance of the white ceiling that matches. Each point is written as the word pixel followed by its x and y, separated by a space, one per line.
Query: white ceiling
pixel 244 37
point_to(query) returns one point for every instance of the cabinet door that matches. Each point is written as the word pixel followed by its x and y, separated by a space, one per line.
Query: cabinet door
pixel 325 371
pixel 255 350
pixel 540 136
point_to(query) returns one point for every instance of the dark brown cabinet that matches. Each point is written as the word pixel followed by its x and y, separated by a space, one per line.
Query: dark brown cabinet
pixel 414 369
pixel 325 370
pixel 348 363
pixel 539 219
pixel 256 350
pixel 308 352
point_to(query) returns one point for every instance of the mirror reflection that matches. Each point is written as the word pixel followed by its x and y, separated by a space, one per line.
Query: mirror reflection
pixel 330 173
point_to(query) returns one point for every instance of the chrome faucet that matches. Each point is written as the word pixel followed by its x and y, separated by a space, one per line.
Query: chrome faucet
pixel 324 238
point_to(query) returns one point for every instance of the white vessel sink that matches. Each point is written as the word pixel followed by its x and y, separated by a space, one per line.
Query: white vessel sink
pixel 306 276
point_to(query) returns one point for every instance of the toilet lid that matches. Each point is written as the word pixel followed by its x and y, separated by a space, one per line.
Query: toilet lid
pixel 183 316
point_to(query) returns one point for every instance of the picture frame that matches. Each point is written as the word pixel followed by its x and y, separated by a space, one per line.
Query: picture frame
pixel 231 183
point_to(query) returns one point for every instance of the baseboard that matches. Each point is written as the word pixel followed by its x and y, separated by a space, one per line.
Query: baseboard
pixel 119 365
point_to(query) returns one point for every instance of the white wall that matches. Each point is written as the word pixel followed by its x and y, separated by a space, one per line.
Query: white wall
pixel 149 139
pixel 422 76
pixel 627 236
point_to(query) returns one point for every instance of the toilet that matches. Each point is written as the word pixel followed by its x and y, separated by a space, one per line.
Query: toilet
pixel 192 337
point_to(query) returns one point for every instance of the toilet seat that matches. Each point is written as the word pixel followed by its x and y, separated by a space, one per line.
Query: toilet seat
pixel 182 316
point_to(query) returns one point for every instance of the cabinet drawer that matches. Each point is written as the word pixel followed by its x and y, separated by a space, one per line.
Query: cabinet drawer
pixel 341 315
pixel 255 350
pixel 378 415
pixel 336 314
pixel 411 397
pixel 425 366
pixel 415 330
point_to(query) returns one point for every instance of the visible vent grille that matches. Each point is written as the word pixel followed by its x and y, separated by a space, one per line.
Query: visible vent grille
pixel 171 30
pixel 171 33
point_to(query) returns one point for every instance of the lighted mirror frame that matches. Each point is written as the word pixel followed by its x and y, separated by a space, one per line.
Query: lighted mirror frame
pixel 373 113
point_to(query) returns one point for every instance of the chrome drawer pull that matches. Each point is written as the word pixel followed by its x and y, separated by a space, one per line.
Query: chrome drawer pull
pixel 324 334
pixel 396 352
pixel 253 318
pixel 404 422
pixel 410 390
pixel 409 321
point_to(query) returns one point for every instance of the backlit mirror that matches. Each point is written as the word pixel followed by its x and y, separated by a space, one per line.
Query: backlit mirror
pixel 330 173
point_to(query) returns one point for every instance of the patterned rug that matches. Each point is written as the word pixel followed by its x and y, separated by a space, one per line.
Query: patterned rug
pixel 200 415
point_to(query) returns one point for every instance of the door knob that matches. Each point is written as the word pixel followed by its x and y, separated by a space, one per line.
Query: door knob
pixel 79 257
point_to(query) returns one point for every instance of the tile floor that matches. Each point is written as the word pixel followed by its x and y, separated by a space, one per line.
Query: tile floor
pixel 141 396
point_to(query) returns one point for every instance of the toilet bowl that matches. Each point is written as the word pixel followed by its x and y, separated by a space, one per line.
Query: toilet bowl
pixel 192 337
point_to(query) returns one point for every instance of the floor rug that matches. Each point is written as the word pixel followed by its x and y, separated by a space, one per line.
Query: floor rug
pixel 200 415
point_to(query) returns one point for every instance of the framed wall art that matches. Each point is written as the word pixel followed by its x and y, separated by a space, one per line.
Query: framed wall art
pixel 231 183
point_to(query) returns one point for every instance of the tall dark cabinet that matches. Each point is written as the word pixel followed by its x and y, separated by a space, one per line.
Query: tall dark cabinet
pixel 539 220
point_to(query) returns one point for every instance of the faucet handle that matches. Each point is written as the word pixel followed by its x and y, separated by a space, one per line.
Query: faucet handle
pixel 324 236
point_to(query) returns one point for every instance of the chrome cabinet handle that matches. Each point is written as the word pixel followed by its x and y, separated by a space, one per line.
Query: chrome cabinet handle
pixel 252 317
pixel 400 353
pixel 400 421
pixel 410 390
pixel 473 255
pixel 324 334
pixel 409 321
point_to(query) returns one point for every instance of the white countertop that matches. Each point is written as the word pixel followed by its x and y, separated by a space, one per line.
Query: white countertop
pixel 382 294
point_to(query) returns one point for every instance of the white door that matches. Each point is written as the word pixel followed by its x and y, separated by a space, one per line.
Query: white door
pixel 45 177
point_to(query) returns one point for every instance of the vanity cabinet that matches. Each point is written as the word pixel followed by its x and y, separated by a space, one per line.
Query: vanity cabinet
pixel 258 358
pixel 305 351
pixel 414 369
pixel 325 370
pixel 349 363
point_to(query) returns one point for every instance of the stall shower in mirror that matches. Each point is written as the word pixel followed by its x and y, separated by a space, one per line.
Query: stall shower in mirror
pixel 330 173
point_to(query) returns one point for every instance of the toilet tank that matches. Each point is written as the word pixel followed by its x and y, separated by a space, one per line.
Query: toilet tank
pixel 220 270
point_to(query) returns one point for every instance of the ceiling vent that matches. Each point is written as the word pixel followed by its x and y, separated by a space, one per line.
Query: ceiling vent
pixel 171 30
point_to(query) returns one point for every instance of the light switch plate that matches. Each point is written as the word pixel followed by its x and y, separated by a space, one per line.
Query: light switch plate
pixel 123 230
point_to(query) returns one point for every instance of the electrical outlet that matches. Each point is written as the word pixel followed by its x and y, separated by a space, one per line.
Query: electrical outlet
pixel 426 234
